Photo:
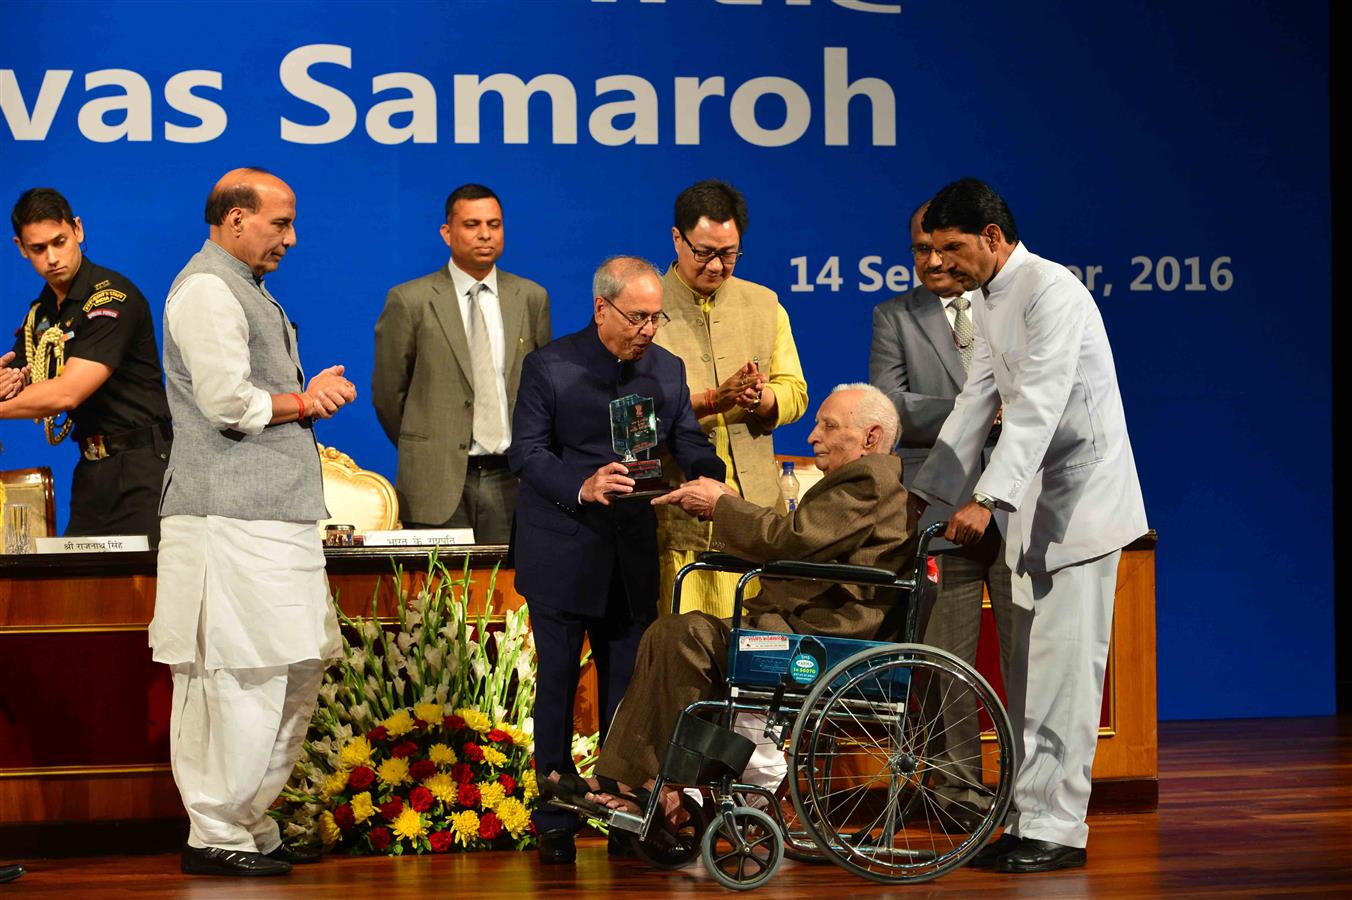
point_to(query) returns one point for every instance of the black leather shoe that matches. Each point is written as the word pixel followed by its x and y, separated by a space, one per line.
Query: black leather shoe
pixel 1041 856
pixel 11 873
pixel 989 855
pixel 215 861
pixel 958 818
pixel 557 846
pixel 618 845
pixel 297 856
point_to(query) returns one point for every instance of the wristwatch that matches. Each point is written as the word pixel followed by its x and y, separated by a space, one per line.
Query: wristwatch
pixel 981 499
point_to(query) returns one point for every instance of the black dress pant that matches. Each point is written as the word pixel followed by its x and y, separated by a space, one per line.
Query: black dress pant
pixel 614 639
pixel 119 494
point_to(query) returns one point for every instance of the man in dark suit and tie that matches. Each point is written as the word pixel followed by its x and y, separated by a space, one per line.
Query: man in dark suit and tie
pixel 449 348
pixel 922 345
pixel 586 556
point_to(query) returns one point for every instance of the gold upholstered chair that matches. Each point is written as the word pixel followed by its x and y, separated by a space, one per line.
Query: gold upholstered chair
pixel 356 496
pixel 33 488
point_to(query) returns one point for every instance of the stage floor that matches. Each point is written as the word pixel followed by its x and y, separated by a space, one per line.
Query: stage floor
pixel 1247 808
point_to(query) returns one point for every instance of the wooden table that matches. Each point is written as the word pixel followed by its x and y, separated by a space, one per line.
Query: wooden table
pixel 84 711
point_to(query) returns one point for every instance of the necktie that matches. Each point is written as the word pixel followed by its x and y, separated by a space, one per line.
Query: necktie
pixel 489 424
pixel 962 331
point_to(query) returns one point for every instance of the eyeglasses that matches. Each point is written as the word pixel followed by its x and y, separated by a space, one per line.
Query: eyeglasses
pixel 638 320
pixel 729 257
pixel 920 251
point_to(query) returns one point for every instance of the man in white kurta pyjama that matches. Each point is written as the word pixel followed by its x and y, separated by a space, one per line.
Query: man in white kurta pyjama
pixel 1063 470
pixel 242 611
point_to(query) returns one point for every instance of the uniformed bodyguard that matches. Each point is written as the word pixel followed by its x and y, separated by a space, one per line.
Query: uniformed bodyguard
pixel 86 350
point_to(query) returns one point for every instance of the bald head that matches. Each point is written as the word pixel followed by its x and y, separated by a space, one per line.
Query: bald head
pixel 252 215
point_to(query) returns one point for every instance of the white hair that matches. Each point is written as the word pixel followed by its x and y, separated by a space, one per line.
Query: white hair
pixel 874 409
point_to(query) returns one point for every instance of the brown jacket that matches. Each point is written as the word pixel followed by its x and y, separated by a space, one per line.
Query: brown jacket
pixel 857 515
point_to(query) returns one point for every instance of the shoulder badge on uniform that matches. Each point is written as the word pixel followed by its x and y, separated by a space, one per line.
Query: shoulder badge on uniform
pixel 103 298
pixel 102 284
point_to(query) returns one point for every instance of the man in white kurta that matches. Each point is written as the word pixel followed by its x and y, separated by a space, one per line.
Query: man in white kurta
pixel 242 611
pixel 1063 470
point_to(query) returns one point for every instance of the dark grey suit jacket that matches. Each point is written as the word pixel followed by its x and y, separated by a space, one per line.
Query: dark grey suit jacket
pixel 422 387
pixel 915 362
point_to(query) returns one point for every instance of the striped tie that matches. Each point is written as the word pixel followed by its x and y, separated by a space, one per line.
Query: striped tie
pixel 488 427
pixel 962 330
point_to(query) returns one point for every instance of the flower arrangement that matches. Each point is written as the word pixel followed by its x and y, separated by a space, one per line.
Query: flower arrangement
pixel 422 737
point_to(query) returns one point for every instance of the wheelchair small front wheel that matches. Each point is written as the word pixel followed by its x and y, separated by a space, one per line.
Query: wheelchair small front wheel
pixel 674 850
pixel 746 857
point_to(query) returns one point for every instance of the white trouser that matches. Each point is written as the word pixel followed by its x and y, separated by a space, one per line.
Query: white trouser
pixel 234 737
pixel 1056 691
pixel 768 764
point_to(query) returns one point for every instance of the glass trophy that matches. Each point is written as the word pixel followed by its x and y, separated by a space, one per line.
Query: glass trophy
pixel 633 430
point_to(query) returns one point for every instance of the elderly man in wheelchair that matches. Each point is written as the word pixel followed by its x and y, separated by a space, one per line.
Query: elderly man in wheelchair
pixel 814 662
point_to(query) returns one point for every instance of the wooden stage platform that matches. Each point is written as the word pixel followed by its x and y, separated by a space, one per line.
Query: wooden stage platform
pixel 1247 808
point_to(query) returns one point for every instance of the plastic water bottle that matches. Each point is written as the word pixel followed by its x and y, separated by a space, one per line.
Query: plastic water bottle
pixel 788 487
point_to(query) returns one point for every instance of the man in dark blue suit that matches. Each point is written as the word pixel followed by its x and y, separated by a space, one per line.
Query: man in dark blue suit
pixel 586 558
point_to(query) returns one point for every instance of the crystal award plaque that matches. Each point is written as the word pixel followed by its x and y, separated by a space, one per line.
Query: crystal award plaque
pixel 633 430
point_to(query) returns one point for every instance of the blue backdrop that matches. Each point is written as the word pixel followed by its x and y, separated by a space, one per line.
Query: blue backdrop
pixel 1157 148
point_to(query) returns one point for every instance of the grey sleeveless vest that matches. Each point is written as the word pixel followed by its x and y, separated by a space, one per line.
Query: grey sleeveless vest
pixel 273 475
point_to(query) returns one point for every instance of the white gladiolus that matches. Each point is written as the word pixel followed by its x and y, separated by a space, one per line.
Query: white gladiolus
pixel 403 640
pixel 398 684
pixel 432 656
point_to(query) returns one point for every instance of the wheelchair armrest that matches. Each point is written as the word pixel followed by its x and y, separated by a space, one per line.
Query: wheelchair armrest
pixel 726 562
pixel 840 572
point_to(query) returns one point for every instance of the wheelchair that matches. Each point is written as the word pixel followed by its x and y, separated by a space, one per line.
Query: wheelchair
pixel 863 724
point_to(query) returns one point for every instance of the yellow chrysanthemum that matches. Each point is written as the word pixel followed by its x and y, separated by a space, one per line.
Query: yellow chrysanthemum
pixel 529 789
pixel 441 754
pixel 329 832
pixel 428 712
pixel 443 787
pixel 466 827
pixel 362 807
pixel 333 784
pixel 356 752
pixel 519 737
pixel 514 816
pixel 475 719
pixel 399 724
pixel 494 757
pixel 409 824
pixel 393 771
pixel 490 794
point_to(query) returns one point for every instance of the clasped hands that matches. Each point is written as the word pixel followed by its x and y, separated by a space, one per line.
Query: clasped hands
pixel 328 392
pixel 744 389
pixel 12 381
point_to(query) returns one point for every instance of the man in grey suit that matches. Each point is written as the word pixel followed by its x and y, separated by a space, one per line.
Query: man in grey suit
pixel 1064 472
pixel 448 361
pixel 922 347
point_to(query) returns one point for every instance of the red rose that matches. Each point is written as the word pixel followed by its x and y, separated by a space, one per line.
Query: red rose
pixel 422 770
pixel 403 749
pixel 361 778
pixel 392 809
pixel 419 723
pixel 498 736
pixel 377 734
pixel 380 838
pixel 508 782
pixel 461 772
pixel 473 752
pixel 469 794
pixel 490 826
pixel 421 799
pixel 453 723
pixel 531 829
pixel 441 841
pixel 343 816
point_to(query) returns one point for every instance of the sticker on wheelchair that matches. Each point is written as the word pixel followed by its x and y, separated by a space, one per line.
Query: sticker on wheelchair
pixel 804 669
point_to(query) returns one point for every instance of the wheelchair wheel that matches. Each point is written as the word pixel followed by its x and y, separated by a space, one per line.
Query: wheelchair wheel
pixel 668 850
pixel 869 757
pixel 747 858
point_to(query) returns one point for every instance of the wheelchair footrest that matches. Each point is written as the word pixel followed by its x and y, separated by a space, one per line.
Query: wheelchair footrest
pixel 701 752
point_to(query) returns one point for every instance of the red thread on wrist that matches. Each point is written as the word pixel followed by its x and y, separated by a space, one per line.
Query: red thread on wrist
pixel 709 400
pixel 300 406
